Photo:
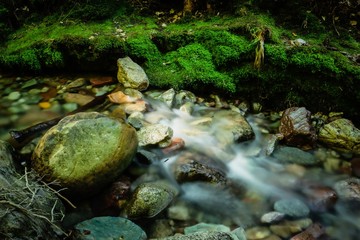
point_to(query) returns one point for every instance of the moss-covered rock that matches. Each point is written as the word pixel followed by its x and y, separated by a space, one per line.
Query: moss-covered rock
pixel 70 154
pixel 341 135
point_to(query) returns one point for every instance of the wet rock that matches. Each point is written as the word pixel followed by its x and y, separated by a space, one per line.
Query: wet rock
pixel 296 128
pixel 136 119
pixel 109 228
pixel 320 198
pixel 256 233
pixel 272 217
pixel 137 106
pixel 119 114
pixel 202 236
pixel 149 199
pixel 154 134
pixel 292 207
pixel 256 107
pixel 77 98
pixel 29 83
pixel 99 91
pixel 187 107
pixel 179 211
pixel 175 145
pixel 71 153
pixel 192 167
pixel 101 81
pixel 296 170
pixel 134 93
pixel 348 191
pixel 314 231
pixel 239 233
pixel 14 96
pixel 287 228
pixel 231 127
pixel 341 135
pixel 218 102
pixel 167 97
pixel 184 97
pixel 161 228
pixel 294 155
pixel 206 227
pixel 131 75
pixel 79 82
pixel 120 97
pixel 271 143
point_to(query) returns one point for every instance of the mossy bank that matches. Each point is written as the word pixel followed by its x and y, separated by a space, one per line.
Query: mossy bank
pixel 247 54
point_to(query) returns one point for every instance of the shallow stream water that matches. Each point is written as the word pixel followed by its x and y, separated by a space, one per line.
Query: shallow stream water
pixel 263 178
pixel 260 179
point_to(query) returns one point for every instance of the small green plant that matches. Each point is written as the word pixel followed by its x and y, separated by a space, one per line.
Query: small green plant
pixel 259 39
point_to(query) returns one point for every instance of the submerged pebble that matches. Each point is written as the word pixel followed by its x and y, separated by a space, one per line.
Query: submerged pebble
pixel 292 207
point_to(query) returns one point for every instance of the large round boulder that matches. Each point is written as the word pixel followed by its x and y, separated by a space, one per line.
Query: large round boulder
pixel 84 152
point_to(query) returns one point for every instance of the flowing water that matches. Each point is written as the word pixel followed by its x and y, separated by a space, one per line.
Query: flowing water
pixel 265 179
pixel 257 180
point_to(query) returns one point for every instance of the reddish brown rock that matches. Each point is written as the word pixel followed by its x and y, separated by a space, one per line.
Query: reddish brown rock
pixel 313 232
pixel 321 198
pixel 112 199
pixel 296 128
pixel 176 144
pixel 101 81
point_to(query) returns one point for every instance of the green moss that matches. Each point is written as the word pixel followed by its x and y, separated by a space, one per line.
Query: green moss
pixel 28 59
pixel 224 46
pixel 314 62
pixel 142 49
pixel 189 67
pixel 276 55
pixel 51 58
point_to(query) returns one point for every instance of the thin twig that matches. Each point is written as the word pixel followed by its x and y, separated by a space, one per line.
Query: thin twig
pixel 58 194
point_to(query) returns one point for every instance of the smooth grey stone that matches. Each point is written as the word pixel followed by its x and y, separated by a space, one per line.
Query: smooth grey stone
pixel 292 207
pixel 109 228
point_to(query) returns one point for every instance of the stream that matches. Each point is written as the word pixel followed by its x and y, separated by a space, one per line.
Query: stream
pixel 256 182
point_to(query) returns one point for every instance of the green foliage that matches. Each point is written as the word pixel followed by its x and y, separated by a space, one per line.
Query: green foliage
pixel 51 58
pixel 224 46
pixel 142 49
pixel 29 60
pixel 276 55
pixel 314 62
pixel 190 67
pixel 33 59
pixel 105 43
